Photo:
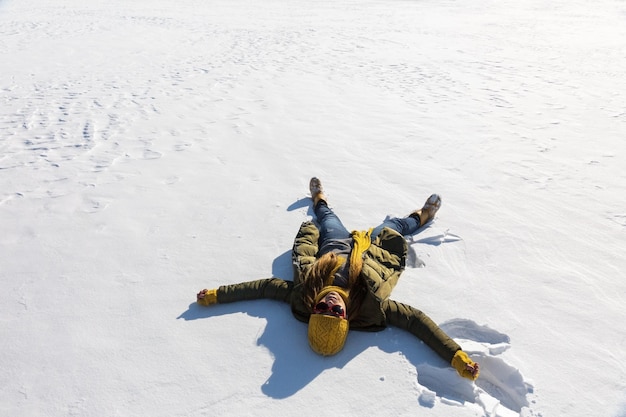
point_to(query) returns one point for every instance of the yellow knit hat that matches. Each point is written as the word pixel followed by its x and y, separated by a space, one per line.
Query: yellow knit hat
pixel 327 334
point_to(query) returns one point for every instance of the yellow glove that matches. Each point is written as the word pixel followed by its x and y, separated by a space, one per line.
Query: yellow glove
pixel 466 367
pixel 207 297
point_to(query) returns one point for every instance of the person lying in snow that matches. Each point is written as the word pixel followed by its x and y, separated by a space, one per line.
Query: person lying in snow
pixel 343 281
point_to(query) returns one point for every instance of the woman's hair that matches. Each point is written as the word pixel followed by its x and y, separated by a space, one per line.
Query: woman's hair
pixel 322 273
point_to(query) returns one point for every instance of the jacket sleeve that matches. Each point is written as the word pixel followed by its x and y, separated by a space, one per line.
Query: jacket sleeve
pixel 272 288
pixel 305 248
pixel 419 324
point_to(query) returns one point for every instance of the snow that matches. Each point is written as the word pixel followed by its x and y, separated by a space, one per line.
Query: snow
pixel 150 149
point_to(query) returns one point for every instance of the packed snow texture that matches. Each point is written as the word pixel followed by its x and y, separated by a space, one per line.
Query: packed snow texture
pixel 152 148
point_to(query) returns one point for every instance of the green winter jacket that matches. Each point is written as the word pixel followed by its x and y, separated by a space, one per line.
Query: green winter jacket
pixel 383 263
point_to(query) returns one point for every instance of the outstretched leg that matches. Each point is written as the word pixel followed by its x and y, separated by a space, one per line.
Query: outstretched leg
pixel 331 228
pixel 405 226
pixel 410 224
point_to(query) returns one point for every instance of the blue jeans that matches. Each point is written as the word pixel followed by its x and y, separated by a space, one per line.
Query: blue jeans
pixel 333 234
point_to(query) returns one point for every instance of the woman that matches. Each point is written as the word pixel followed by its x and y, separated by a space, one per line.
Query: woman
pixel 343 280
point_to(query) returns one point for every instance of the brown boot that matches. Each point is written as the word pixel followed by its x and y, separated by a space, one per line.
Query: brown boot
pixel 317 191
pixel 428 211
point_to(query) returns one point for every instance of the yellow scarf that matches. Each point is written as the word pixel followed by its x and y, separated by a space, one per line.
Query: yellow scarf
pixel 362 242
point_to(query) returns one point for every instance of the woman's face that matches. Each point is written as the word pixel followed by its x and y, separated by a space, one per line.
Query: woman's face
pixel 334 305
pixel 333 299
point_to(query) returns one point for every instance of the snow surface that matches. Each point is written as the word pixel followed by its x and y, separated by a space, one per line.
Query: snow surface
pixel 152 148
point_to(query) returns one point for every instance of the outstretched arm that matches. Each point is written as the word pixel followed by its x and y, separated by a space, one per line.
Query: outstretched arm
pixel 273 288
pixel 419 324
